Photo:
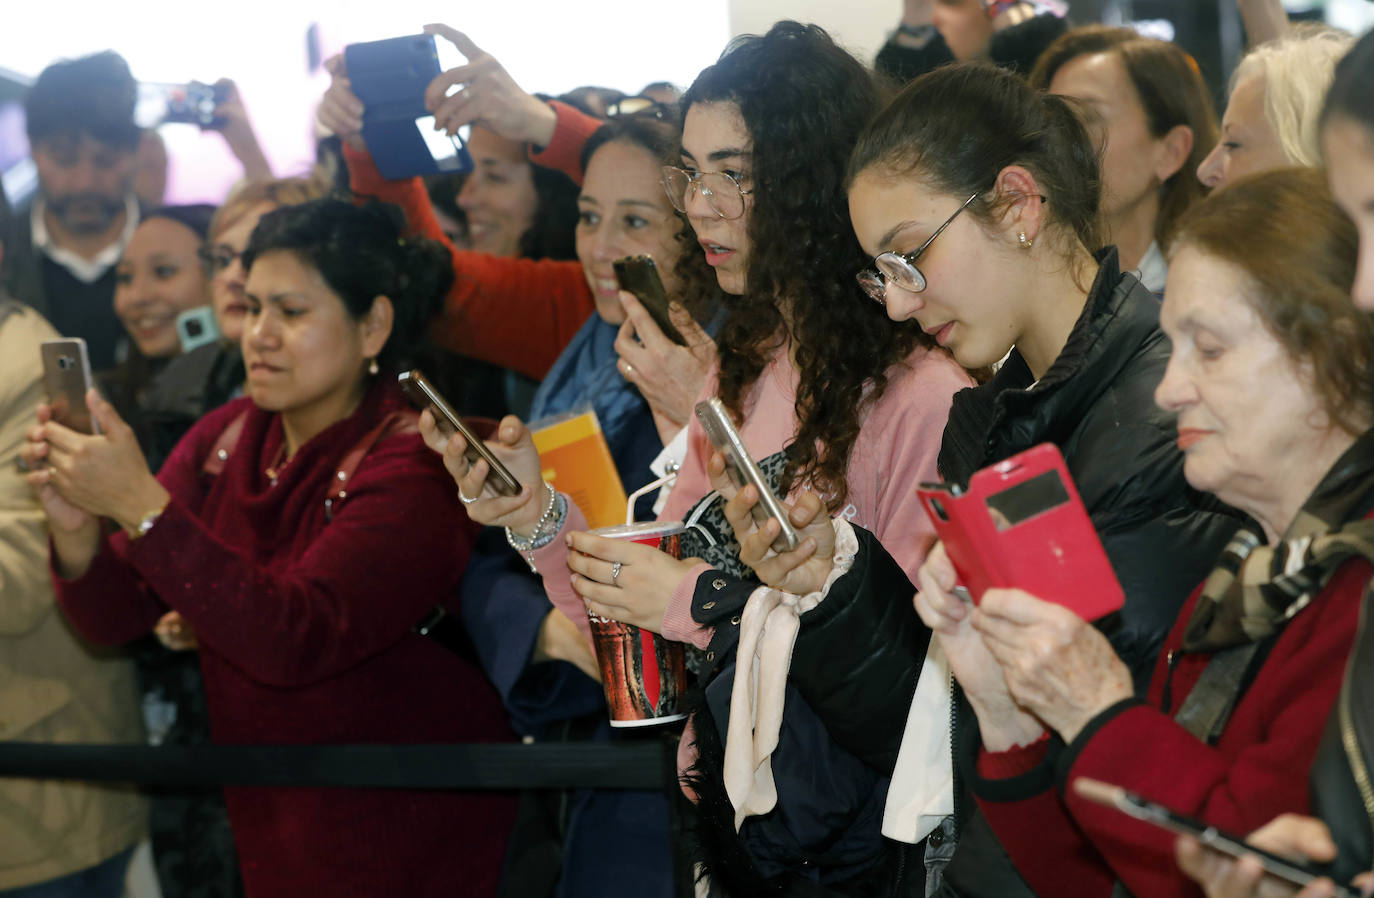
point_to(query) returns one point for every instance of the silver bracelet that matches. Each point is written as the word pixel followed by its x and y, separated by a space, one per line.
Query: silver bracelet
pixel 555 512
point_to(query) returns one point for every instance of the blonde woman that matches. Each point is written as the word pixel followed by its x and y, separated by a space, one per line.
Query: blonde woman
pixel 1275 102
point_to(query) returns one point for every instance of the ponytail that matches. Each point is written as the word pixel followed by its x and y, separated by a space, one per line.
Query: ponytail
pixel 959 126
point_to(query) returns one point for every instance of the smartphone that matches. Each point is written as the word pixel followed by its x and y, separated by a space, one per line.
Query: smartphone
pixel 1022 524
pixel 197 327
pixel 743 470
pixel 1291 870
pixel 67 379
pixel 389 77
pixel 193 103
pixel 639 275
pixel 422 393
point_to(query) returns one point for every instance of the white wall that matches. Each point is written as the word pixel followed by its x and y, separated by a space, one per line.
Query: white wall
pixel 860 26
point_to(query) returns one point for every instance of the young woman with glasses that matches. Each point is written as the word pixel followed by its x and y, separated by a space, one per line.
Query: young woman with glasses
pixel 978 200
pixel 828 394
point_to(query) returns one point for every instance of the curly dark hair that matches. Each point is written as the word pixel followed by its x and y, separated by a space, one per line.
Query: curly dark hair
pixel 361 254
pixel 659 133
pixel 804 101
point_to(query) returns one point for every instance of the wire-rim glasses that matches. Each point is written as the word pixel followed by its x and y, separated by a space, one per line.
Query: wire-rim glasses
pixel 721 191
pixel 900 268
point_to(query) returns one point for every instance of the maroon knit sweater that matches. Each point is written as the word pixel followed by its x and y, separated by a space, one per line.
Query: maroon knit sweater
pixel 305 637
pixel 1257 770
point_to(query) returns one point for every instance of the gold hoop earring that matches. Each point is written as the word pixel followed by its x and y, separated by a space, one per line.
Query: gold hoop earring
pixel 373 369
pixel 1025 243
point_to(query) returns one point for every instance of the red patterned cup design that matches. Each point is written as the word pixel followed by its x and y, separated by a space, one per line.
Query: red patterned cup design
pixel 644 675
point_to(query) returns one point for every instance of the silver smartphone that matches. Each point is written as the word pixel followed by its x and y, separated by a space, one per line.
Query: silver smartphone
pixel 67 379
pixel 423 394
pixel 743 470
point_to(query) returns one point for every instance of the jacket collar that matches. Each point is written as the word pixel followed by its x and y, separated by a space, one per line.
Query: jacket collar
pixel 1012 411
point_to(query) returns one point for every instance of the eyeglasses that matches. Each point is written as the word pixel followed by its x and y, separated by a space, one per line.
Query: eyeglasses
pixel 638 106
pixel 721 191
pixel 217 258
pixel 900 268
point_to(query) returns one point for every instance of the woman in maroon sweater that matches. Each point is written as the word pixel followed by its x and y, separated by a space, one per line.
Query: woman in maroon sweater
pixel 302 591
pixel 1272 378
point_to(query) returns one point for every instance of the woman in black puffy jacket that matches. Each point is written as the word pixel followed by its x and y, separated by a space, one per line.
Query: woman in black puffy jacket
pixel 1022 275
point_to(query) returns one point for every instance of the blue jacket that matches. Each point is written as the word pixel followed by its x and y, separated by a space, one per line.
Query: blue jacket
pixel 503 606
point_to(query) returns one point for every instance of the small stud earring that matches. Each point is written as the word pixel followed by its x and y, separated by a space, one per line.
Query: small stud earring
pixel 1025 243
pixel 373 369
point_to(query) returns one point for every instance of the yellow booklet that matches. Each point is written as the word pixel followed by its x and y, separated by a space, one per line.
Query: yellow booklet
pixel 578 462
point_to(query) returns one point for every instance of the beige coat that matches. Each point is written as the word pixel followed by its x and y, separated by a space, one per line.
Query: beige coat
pixel 53 688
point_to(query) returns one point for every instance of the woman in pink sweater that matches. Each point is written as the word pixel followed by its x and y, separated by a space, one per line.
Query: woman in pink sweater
pixel 827 393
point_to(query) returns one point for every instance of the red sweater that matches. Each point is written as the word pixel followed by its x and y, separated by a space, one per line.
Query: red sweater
pixel 513 312
pixel 1256 771
pixel 305 637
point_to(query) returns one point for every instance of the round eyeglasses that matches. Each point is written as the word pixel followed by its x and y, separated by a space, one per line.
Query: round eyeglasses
pixel 900 268
pixel 217 258
pixel 721 192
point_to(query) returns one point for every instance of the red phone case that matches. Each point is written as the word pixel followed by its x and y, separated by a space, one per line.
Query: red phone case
pixel 1021 524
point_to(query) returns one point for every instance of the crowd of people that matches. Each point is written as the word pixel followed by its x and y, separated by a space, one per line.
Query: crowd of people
pixel 1007 231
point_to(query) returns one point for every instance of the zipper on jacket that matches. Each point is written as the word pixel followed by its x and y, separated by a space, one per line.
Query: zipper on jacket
pixel 954 698
pixel 1349 740
pixel 1167 698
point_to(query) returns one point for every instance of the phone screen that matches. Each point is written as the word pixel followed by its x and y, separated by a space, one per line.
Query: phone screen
pixel 449 153
pixel 1025 500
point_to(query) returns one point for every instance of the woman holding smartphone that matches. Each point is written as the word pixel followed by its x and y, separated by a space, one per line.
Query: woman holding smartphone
pixel 976 199
pixel 805 363
pixel 518 312
pixel 304 617
pixel 1342 832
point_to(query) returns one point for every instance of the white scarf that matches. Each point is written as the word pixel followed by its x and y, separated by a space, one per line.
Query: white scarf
pixel 768 630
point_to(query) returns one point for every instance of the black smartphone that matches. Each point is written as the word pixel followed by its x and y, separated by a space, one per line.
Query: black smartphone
pixel 423 394
pixel 743 470
pixel 67 379
pixel 639 275
pixel 1296 872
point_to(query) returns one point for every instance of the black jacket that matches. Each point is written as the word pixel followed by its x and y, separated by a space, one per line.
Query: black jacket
pixel 1015 48
pixel 1096 402
pixel 824 836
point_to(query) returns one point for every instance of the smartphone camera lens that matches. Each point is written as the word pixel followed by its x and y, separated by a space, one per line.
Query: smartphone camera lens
pixel 939 509
pixel 66 362
pixel 194 329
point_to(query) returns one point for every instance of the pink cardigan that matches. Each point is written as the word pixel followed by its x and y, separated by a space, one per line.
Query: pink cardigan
pixel 896 449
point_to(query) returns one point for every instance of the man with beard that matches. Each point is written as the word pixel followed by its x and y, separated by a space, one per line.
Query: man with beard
pixel 63 247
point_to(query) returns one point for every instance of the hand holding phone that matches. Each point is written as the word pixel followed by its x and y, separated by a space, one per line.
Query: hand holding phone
pixel 390 78
pixel 1297 872
pixel 67 379
pixel 423 394
pixel 1022 524
pixel 743 470
pixel 639 275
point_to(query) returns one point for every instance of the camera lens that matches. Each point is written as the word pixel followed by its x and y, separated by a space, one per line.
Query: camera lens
pixel 66 362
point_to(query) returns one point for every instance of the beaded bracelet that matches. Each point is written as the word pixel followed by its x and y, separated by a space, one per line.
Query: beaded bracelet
pixel 555 512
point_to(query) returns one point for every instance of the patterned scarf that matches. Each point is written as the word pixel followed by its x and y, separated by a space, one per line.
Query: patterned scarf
pixel 1255 589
